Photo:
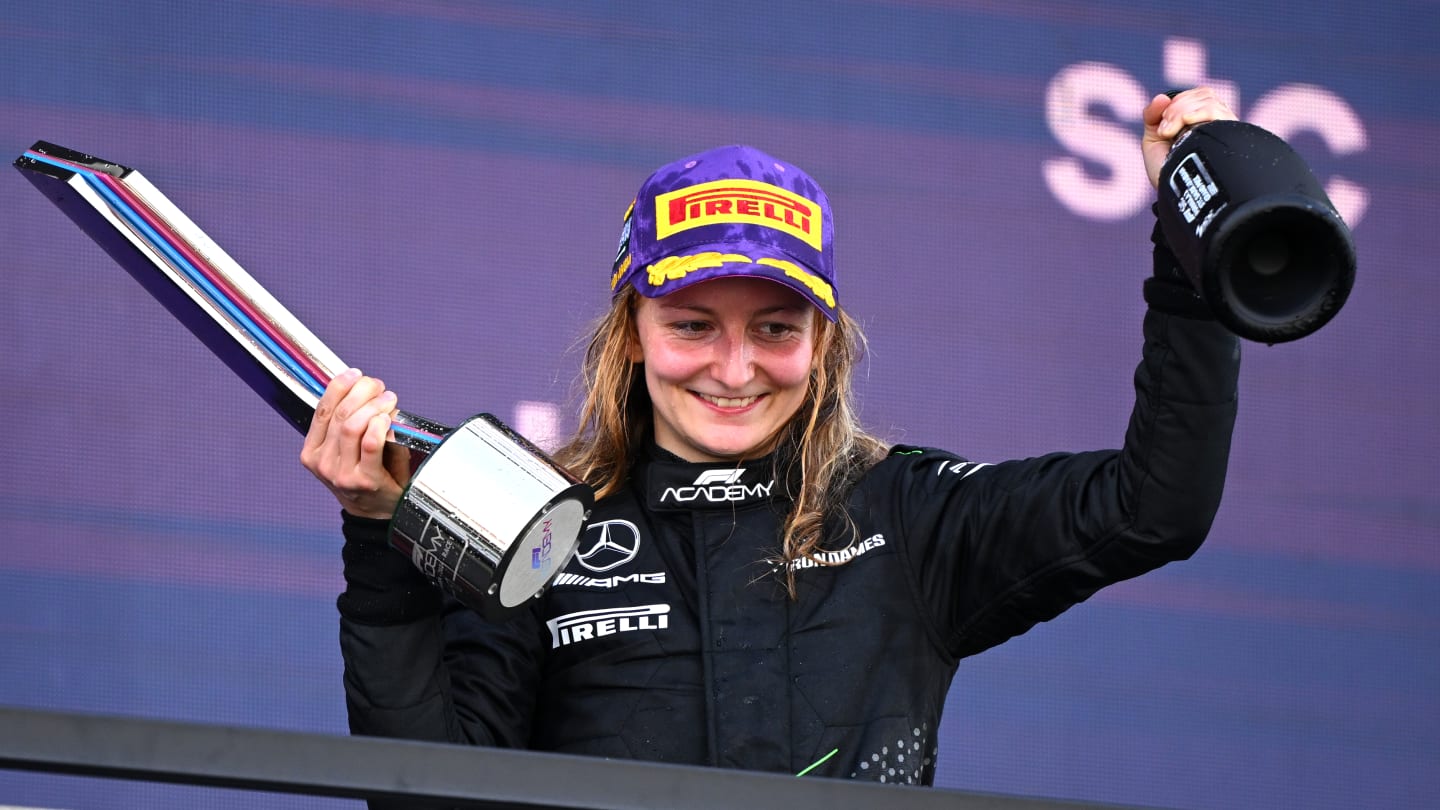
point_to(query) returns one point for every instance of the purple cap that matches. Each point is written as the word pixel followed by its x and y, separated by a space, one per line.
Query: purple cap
pixel 731 211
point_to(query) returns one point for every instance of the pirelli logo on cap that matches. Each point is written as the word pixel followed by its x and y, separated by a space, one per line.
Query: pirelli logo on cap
pixel 724 202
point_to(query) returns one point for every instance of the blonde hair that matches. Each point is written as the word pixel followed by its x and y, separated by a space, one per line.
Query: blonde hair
pixel 820 453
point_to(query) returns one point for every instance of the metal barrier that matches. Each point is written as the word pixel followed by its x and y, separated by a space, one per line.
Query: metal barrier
pixel 423 773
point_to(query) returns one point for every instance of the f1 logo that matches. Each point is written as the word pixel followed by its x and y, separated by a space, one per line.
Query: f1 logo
pixel 720 477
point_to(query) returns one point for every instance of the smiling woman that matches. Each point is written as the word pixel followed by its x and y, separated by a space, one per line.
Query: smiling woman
pixel 727 365
pixel 764 584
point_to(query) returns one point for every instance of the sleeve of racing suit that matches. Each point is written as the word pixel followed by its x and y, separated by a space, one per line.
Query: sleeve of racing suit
pixel 997 548
pixel 421 666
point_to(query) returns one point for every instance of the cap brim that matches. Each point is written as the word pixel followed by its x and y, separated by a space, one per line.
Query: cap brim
pixel 678 272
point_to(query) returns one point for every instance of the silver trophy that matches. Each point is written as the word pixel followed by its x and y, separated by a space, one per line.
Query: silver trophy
pixel 487 516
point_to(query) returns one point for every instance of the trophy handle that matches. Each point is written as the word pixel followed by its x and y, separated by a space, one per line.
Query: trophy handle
pixel 417 433
pixel 201 285
pixel 491 519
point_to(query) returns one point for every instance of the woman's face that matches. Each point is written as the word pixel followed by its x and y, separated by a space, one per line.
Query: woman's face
pixel 726 364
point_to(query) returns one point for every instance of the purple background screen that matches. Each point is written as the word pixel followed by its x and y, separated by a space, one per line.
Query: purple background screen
pixel 436 188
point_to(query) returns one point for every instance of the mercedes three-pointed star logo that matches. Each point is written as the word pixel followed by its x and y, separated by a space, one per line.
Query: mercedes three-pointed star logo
pixel 616 543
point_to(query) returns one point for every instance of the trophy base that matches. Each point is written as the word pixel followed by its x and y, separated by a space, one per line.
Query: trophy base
pixel 497 561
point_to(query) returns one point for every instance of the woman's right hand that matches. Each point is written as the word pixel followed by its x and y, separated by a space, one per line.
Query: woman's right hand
pixel 1166 117
pixel 346 447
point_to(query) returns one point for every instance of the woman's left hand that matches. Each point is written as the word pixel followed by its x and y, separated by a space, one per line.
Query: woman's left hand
pixel 1166 117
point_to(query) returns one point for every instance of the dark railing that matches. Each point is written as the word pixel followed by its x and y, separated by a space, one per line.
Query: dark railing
pixel 457 776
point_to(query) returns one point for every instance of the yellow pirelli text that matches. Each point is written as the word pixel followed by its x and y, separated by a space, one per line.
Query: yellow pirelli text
pixel 725 202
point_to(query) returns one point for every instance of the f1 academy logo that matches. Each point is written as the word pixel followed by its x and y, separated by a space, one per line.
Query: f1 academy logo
pixel 718 486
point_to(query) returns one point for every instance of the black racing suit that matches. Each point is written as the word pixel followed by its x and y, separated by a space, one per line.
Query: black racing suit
pixel 670 637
